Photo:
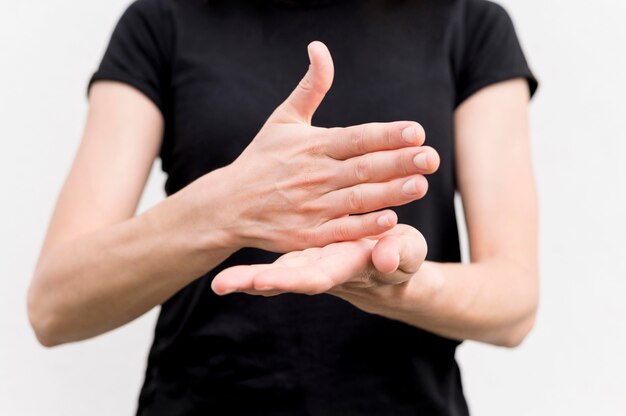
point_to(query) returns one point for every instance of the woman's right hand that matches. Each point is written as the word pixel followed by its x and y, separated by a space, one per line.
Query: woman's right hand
pixel 292 188
pixel 297 186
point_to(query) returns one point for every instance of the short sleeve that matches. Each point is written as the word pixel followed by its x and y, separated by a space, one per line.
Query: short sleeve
pixel 139 51
pixel 489 50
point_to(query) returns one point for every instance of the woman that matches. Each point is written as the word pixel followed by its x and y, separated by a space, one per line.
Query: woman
pixel 192 82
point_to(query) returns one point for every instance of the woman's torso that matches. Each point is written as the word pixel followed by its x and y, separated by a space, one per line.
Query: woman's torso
pixel 231 64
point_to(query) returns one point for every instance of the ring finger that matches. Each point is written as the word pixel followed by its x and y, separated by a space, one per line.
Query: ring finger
pixel 369 197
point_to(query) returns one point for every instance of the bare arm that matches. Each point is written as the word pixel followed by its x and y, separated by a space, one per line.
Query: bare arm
pixel 98 263
pixel 496 295
pixel 293 187
pixel 494 298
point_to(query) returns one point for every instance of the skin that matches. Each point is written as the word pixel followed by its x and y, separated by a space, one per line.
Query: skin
pixel 292 188
pixel 494 298
pixel 101 267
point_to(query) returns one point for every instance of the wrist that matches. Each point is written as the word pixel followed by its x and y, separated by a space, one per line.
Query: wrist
pixel 219 202
pixel 194 226
pixel 419 296
pixel 236 206
pixel 427 285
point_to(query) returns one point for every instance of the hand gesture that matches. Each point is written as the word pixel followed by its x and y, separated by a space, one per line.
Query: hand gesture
pixel 298 186
pixel 360 271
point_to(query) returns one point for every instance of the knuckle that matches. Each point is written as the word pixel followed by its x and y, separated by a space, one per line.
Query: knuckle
pixel 310 211
pixel 306 83
pixel 388 137
pixel 309 179
pixel 315 148
pixel 327 140
pixel 317 143
pixel 363 169
pixel 341 232
pixel 357 139
pixel 258 284
pixel 334 141
pixel 405 162
pixel 303 238
pixel 355 200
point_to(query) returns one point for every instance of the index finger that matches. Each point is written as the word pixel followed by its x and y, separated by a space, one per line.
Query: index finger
pixel 347 142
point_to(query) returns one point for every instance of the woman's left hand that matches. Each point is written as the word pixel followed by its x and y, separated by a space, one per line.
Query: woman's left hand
pixel 366 272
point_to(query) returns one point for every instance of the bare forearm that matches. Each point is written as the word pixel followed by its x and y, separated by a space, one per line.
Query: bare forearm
pixel 103 280
pixel 492 301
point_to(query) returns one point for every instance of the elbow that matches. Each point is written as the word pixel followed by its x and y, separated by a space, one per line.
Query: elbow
pixel 43 320
pixel 45 339
pixel 516 336
pixel 40 323
pixel 516 333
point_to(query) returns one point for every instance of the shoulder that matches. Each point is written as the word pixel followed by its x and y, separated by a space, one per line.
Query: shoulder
pixel 149 7
pixel 486 48
pixel 487 7
pixel 472 18
pixel 484 12
pixel 148 21
pixel 477 20
pixel 152 11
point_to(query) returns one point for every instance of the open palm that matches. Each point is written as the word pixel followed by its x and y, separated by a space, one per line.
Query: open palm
pixel 388 259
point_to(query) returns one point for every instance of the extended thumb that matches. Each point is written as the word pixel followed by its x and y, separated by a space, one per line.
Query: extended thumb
pixel 308 95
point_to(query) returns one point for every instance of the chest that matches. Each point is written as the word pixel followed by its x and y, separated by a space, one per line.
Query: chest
pixel 390 64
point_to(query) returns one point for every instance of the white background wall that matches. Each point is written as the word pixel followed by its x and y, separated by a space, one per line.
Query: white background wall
pixel 574 362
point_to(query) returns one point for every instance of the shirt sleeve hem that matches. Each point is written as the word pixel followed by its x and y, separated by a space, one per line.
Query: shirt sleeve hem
pixel 141 86
pixel 479 84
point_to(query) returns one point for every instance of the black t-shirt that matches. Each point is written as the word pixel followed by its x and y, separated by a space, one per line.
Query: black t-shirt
pixel 216 70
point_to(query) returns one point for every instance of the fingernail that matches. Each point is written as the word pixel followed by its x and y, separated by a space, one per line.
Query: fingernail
pixel 383 221
pixel 409 134
pixel 308 52
pixel 409 187
pixel 421 161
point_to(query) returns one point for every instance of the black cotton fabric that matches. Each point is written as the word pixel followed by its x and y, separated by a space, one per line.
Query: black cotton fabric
pixel 216 70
